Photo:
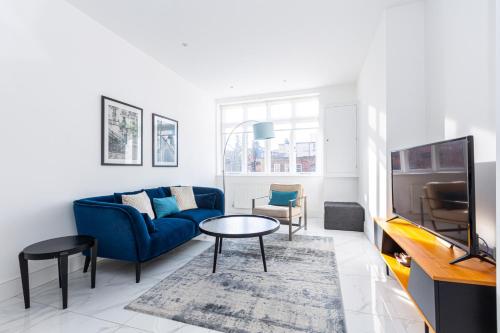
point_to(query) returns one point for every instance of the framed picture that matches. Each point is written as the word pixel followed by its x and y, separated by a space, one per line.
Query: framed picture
pixel 121 136
pixel 165 142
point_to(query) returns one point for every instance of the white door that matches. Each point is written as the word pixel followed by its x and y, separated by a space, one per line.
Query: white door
pixel 341 141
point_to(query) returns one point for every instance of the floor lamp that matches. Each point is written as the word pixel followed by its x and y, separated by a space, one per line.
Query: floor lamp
pixel 261 131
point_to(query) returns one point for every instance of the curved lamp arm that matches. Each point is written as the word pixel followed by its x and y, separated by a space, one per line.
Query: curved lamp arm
pixel 224 152
pixel 262 130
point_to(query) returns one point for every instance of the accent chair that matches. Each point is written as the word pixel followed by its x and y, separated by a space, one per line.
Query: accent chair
pixel 295 209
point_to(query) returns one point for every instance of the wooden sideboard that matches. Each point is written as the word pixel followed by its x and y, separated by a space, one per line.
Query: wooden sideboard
pixel 450 298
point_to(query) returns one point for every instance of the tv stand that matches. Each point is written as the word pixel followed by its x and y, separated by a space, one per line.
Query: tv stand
pixel 458 298
pixel 472 256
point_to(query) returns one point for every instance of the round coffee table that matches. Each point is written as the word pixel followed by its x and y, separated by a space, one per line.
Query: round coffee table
pixel 58 248
pixel 239 226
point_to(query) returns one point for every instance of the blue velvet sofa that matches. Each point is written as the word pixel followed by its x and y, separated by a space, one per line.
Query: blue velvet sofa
pixel 121 230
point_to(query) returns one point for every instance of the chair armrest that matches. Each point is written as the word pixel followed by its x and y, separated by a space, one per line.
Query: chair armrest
pixel 290 202
pixel 255 199
pixel 120 229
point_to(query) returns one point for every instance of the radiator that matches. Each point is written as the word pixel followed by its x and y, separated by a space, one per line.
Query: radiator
pixel 245 192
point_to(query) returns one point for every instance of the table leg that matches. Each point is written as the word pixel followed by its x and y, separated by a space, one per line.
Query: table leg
pixel 215 253
pixel 94 264
pixel 262 252
pixel 220 245
pixel 23 265
pixel 86 265
pixel 59 270
pixel 64 279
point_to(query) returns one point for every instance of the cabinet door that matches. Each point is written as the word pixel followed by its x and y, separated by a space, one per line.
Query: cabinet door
pixel 341 141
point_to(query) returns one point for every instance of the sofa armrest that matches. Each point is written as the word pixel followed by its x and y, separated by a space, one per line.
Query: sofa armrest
pixel 219 200
pixel 120 229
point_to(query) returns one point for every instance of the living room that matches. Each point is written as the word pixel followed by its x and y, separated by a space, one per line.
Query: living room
pixel 272 139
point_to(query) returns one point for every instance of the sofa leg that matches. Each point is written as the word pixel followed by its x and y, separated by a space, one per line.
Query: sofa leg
pixel 137 272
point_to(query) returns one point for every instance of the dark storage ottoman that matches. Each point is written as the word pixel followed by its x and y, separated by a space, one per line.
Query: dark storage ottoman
pixel 344 216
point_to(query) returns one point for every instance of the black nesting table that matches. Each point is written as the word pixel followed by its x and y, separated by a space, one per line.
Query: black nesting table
pixel 239 226
pixel 58 248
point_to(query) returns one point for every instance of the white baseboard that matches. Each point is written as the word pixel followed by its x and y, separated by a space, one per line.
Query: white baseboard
pixel 13 287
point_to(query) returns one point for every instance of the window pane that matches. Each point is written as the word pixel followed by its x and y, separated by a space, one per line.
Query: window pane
pixel 282 126
pixel 256 153
pixel 451 155
pixel 307 124
pixel 396 160
pixel 281 110
pixel 280 152
pixel 307 108
pixel 232 114
pixel 234 153
pixel 305 145
pixel 257 112
pixel 420 158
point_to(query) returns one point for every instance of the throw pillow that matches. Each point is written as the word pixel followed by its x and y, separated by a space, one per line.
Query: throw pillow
pixel 282 198
pixel 206 201
pixel 118 196
pixel 184 196
pixel 165 206
pixel 139 201
pixel 149 224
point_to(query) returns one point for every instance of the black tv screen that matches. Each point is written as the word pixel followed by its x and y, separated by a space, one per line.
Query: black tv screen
pixel 433 187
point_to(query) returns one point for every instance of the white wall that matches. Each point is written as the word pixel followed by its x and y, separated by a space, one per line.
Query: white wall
pixel 439 85
pixel 55 63
pixel 317 188
pixel 460 87
pixel 372 114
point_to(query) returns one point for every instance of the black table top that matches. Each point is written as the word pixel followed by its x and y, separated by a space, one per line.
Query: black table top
pixel 56 246
pixel 239 226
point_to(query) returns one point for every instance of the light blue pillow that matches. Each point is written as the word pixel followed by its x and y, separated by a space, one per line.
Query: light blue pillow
pixel 282 198
pixel 165 206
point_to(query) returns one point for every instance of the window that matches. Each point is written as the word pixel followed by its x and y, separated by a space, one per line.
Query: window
pixel 294 148
pixel 420 158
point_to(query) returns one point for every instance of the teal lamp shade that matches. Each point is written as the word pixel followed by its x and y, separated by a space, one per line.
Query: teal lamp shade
pixel 263 130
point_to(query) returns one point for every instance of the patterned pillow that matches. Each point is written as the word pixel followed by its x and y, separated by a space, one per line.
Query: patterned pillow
pixel 139 201
pixel 184 196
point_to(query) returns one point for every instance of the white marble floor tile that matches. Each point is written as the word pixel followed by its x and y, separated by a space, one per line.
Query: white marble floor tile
pixel 374 303
pixel 367 323
pixel 67 321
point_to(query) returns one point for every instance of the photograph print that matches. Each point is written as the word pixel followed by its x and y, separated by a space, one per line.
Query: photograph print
pixel 165 141
pixel 121 141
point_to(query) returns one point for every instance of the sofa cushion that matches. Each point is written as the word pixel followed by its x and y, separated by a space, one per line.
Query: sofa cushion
pixel 206 201
pixel 165 206
pixel 118 196
pixel 156 192
pixel 139 201
pixel 197 215
pixel 170 232
pixel 184 196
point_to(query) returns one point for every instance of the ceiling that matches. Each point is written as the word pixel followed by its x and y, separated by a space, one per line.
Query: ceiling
pixel 245 47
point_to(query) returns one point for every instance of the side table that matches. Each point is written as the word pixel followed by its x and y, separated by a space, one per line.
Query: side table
pixel 58 248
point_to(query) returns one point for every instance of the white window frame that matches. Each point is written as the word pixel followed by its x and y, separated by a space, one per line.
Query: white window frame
pixel 225 128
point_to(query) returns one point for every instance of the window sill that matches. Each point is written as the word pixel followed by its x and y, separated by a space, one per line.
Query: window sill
pixel 315 175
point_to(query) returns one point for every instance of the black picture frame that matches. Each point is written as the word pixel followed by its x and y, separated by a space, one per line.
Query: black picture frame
pixel 105 133
pixel 155 162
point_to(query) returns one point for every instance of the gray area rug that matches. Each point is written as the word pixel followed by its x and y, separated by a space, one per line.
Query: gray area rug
pixel 299 293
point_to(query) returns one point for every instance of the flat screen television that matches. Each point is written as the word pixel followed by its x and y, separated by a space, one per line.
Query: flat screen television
pixel 433 187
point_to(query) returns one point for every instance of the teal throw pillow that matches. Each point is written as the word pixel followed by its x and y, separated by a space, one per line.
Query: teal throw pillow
pixel 165 206
pixel 282 198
